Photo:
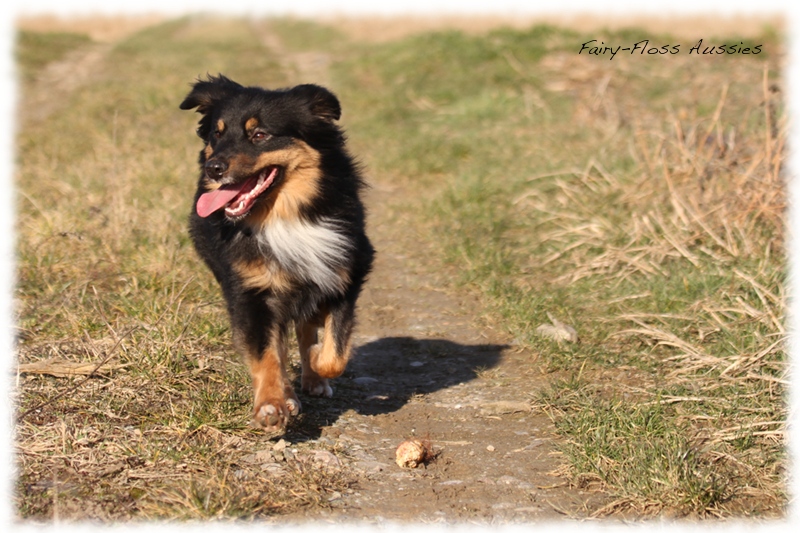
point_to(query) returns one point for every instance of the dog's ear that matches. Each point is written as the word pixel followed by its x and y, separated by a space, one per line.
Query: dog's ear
pixel 319 101
pixel 205 94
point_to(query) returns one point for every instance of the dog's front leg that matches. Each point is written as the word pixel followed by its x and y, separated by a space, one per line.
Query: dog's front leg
pixel 265 349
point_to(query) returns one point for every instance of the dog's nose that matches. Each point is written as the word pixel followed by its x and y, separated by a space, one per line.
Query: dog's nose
pixel 215 168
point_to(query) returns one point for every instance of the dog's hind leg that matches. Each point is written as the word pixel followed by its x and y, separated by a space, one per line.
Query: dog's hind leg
pixel 311 383
pixel 327 359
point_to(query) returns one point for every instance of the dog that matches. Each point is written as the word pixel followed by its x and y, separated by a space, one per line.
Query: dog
pixel 278 218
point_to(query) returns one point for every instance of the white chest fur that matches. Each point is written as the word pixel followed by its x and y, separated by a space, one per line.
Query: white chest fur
pixel 314 252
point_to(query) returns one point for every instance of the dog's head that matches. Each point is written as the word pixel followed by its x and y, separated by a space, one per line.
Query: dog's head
pixel 263 148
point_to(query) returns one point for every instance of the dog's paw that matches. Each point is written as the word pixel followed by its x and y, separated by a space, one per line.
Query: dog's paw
pixel 293 406
pixel 273 415
pixel 317 386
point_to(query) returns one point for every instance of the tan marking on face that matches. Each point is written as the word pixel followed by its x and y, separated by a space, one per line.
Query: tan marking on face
pixel 220 126
pixel 208 151
pixel 210 185
pixel 260 275
pixel 300 184
pixel 251 124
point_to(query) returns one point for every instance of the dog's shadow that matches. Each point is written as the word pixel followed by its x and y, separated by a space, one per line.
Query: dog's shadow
pixel 384 374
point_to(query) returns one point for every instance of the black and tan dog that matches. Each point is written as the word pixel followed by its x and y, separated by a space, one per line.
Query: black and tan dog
pixel 279 221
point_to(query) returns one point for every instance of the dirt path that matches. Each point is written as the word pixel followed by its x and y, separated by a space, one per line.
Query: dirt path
pixel 424 368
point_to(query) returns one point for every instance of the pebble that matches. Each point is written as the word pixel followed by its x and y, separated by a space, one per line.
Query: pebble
pixel 365 380
pixel 274 469
pixel 370 466
pixel 260 457
pixel 324 458
pixel 490 448
pixel 503 505
pixel 380 397
pixel 505 408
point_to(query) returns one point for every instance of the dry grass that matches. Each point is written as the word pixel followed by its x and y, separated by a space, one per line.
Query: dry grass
pixel 704 220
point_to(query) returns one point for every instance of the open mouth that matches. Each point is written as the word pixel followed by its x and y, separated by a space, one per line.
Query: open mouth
pixel 237 199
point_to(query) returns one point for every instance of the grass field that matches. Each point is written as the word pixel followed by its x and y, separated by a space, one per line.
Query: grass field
pixel 640 200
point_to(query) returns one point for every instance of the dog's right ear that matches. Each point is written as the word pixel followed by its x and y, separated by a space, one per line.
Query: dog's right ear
pixel 205 94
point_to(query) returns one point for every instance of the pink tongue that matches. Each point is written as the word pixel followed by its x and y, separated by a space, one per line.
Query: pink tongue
pixel 214 200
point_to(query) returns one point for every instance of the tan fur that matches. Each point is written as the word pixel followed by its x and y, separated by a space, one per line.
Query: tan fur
pixel 208 151
pixel 251 124
pixel 300 185
pixel 325 361
pixel 271 384
pixel 220 126
pixel 210 185
pixel 261 275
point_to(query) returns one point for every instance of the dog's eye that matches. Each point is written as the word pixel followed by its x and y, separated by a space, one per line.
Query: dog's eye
pixel 217 134
pixel 259 135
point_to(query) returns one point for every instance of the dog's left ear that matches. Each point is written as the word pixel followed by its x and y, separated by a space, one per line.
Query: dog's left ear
pixel 206 93
pixel 319 101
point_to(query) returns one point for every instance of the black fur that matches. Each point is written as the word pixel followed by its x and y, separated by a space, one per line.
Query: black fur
pixel 296 125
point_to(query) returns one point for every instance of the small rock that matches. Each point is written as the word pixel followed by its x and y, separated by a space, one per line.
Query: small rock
pixel 490 448
pixel 260 457
pixel 505 408
pixel 273 469
pixel 365 380
pixel 558 331
pixel 379 397
pixel 412 452
pixel 370 467
pixel 280 446
pixel 503 505
pixel 325 458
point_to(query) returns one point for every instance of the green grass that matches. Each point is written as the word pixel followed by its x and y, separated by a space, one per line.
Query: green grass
pixel 625 198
